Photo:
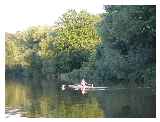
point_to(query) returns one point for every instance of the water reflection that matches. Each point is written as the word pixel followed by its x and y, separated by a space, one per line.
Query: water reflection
pixel 136 102
pixel 45 99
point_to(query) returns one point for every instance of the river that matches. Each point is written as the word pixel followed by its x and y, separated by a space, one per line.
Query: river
pixel 40 98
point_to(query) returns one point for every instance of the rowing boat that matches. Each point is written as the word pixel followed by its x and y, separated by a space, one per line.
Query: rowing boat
pixel 79 87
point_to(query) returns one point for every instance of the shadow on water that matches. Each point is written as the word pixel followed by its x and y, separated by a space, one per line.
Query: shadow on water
pixel 46 99
pixel 130 103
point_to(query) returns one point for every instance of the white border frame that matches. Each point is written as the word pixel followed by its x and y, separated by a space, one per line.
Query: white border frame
pixel 3 7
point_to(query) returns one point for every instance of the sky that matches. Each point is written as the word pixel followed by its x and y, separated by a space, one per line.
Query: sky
pixel 20 14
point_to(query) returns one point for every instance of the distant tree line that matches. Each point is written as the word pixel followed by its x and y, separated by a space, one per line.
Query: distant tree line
pixel 118 46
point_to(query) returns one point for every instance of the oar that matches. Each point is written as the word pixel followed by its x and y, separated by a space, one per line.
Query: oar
pixel 99 87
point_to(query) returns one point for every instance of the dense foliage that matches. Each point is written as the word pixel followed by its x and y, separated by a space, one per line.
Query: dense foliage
pixel 118 46
pixel 49 51
pixel 128 49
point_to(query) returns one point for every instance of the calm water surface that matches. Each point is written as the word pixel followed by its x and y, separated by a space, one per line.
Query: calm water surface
pixel 45 99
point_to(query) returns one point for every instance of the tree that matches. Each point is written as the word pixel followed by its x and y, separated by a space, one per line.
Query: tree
pixel 55 49
pixel 128 43
pixel 76 38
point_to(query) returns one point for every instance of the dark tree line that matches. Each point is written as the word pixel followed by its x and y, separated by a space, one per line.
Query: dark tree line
pixel 128 49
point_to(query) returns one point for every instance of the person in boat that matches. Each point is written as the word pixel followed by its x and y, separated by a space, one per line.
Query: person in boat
pixel 83 82
pixel 83 86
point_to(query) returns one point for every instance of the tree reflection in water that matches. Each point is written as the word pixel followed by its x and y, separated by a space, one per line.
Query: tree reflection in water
pixel 44 100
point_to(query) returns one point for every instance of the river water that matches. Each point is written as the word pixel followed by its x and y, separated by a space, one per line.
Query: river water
pixel 26 98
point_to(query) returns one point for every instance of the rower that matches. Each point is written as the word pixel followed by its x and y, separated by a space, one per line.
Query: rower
pixel 83 83
pixel 83 86
pixel 63 87
pixel 92 86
